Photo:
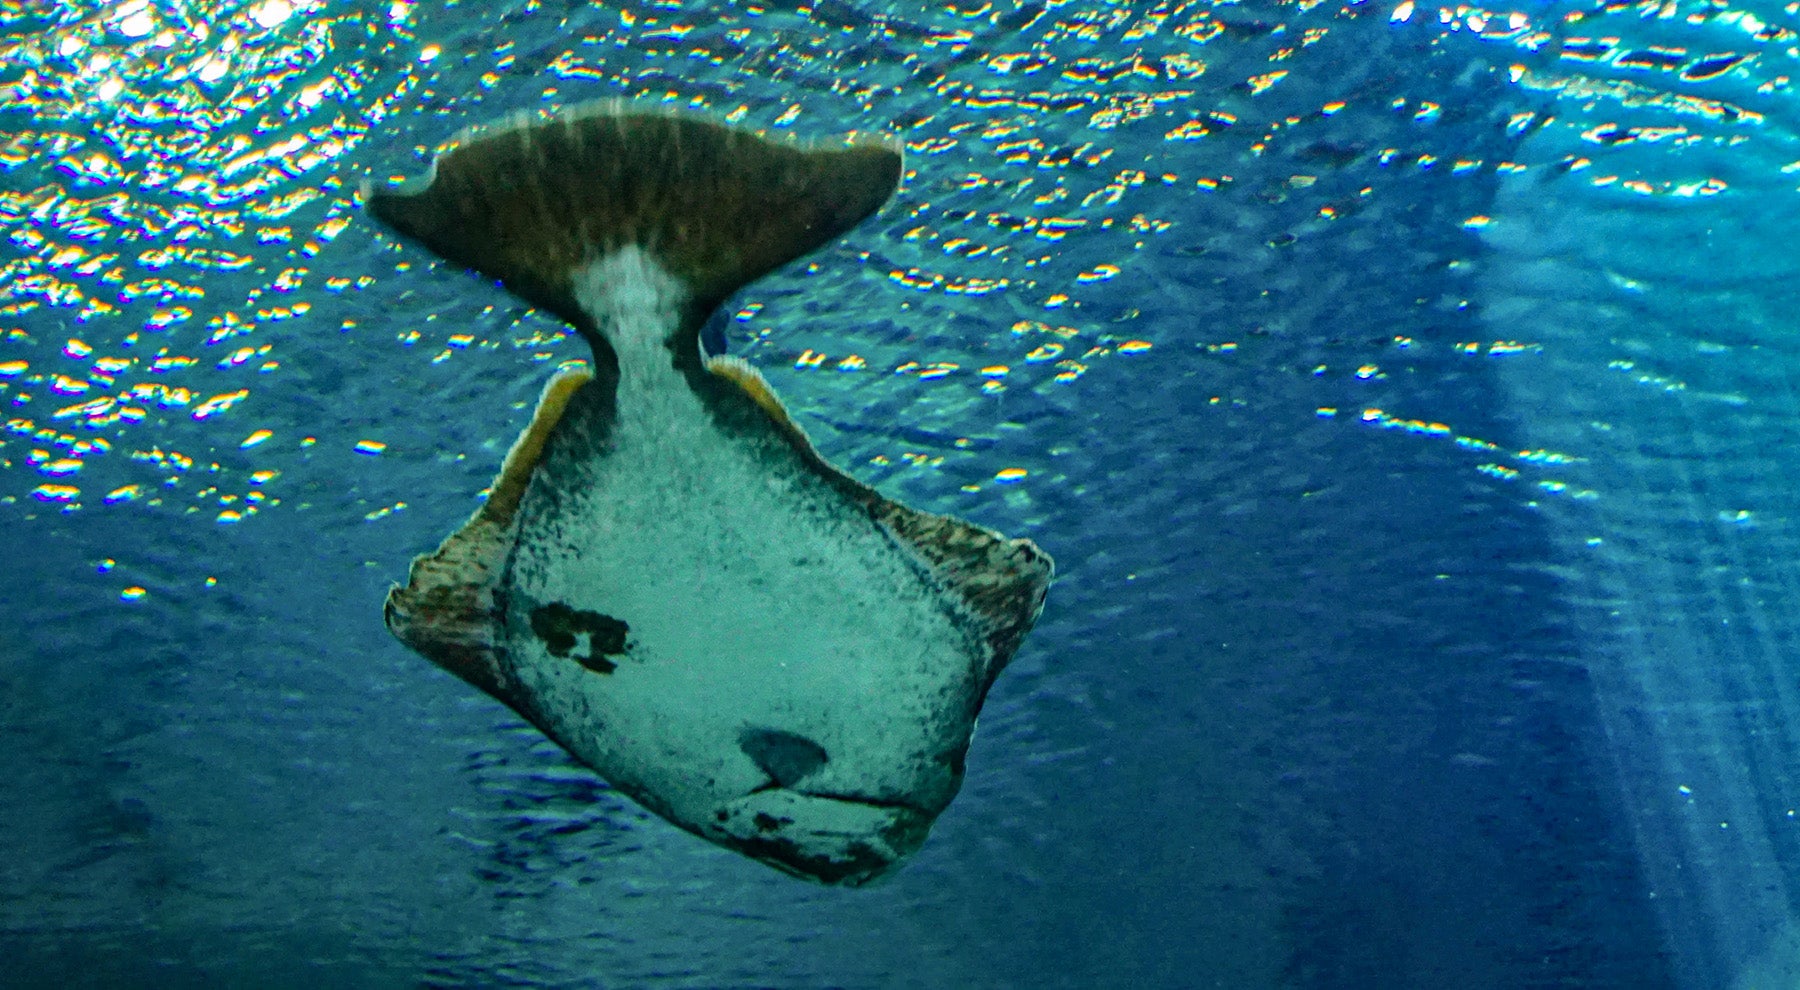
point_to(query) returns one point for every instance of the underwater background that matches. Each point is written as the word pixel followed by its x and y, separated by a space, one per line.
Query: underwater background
pixel 1406 392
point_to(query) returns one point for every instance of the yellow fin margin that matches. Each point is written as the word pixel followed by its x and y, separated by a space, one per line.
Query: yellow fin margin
pixel 740 373
pixel 447 609
pixel 515 471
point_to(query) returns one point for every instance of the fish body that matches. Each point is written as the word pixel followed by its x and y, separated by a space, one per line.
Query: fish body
pixel 667 578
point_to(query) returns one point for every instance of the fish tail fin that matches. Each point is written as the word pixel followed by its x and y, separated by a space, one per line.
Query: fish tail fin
pixel 532 202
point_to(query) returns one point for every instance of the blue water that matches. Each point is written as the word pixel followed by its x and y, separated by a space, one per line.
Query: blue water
pixel 1407 395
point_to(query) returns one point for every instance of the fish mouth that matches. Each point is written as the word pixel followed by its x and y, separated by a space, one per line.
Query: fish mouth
pixel 833 838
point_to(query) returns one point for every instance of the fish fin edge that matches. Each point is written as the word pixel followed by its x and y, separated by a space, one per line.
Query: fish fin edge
pixel 448 609
pixel 1002 580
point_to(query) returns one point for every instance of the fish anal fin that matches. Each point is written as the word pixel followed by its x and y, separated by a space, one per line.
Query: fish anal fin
pixel 751 382
pixel 1003 581
pixel 448 610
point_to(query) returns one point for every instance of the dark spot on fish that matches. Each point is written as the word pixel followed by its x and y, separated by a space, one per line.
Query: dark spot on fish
pixel 786 757
pixel 956 760
pixel 561 628
pixel 768 823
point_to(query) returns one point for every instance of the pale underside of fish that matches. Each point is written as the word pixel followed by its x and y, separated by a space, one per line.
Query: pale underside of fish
pixel 667 578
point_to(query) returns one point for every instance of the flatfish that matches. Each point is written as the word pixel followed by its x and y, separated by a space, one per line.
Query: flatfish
pixel 666 577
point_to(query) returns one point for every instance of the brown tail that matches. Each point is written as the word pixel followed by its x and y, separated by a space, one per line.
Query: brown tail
pixel 529 202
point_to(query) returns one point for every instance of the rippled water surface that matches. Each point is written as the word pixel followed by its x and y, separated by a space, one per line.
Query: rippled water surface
pixel 1408 394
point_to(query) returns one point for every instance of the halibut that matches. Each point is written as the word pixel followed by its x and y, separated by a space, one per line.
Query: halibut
pixel 667 578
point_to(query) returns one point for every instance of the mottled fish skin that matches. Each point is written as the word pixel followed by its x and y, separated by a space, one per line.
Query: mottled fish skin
pixel 668 579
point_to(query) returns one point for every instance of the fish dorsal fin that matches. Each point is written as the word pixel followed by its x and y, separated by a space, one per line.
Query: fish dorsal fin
pixel 532 201
pixel 447 608
pixel 1002 581
pixel 515 472
pixel 752 383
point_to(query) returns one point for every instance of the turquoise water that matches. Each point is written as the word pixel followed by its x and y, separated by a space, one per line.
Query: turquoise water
pixel 1406 393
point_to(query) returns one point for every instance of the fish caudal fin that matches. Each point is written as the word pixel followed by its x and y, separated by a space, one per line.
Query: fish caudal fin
pixel 533 201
